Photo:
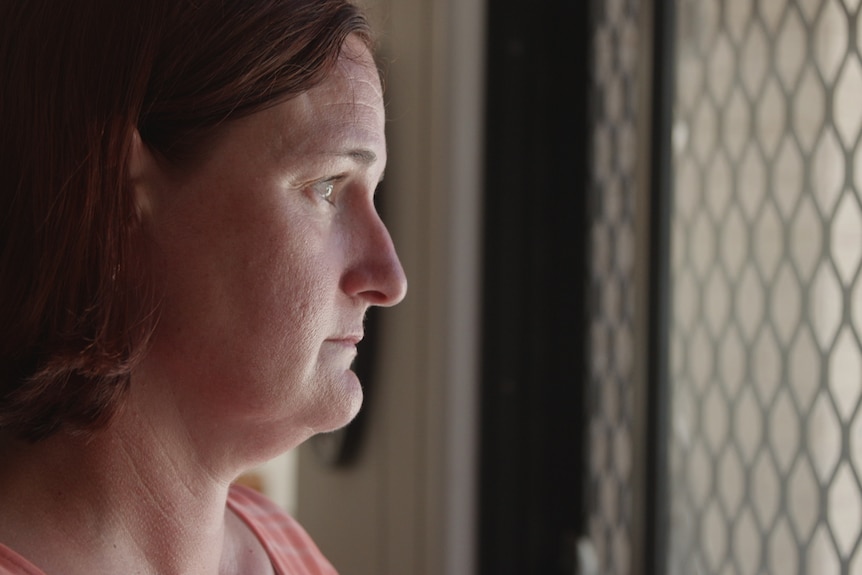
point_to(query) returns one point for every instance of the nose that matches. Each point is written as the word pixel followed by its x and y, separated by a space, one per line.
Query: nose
pixel 375 274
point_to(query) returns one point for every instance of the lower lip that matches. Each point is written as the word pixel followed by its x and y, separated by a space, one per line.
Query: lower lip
pixel 347 344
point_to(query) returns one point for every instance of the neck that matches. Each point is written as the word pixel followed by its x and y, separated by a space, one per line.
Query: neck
pixel 124 501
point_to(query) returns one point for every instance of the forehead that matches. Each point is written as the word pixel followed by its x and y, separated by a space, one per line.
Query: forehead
pixel 345 110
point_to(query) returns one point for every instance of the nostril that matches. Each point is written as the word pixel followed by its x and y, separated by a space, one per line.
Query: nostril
pixel 379 279
pixel 399 290
pixel 384 285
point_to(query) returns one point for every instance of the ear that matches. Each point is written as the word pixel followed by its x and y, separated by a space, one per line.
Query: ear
pixel 143 175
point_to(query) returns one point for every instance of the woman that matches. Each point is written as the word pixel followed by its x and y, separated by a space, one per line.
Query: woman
pixel 188 247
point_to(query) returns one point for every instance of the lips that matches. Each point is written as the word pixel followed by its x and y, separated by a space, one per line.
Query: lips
pixel 350 339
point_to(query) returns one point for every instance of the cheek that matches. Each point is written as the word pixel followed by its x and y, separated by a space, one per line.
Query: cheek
pixel 232 275
pixel 259 319
pixel 290 308
pixel 284 262
pixel 246 272
pixel 286 296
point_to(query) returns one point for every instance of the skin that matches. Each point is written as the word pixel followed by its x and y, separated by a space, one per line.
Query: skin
pixel 266 277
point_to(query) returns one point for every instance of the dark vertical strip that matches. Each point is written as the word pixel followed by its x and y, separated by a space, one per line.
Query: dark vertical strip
pixel 659 406
pixel 535 383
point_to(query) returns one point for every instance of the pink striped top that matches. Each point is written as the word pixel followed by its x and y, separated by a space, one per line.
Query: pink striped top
pixel 289 547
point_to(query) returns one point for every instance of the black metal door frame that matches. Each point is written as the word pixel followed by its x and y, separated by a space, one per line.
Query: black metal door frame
pixel 656 507
pixel 534 396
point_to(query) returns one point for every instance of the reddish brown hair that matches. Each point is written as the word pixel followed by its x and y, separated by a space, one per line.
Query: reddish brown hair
pixel 76 80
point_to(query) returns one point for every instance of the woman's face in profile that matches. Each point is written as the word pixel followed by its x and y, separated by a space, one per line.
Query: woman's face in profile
pixel 269 254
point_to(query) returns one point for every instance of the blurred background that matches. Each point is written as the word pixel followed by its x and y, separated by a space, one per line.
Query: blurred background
pixel 631 344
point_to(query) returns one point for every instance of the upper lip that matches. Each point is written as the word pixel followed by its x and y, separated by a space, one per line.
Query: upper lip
pixel 352 338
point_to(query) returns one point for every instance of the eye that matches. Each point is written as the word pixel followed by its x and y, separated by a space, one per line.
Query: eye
pixel 325 190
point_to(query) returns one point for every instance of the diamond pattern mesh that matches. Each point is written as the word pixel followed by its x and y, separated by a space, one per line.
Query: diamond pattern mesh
pixel 766 244
pixel 616 45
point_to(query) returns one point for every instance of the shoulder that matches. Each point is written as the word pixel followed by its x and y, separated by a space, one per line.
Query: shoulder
pixel 13 564
pixel 290 548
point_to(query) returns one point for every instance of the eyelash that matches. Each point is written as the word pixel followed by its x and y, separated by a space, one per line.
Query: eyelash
pixel 327 191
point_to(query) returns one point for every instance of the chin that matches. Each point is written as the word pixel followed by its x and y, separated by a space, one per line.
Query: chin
pixel 343 407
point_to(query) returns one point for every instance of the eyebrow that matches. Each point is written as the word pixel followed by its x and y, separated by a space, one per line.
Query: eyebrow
pixel 360 156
